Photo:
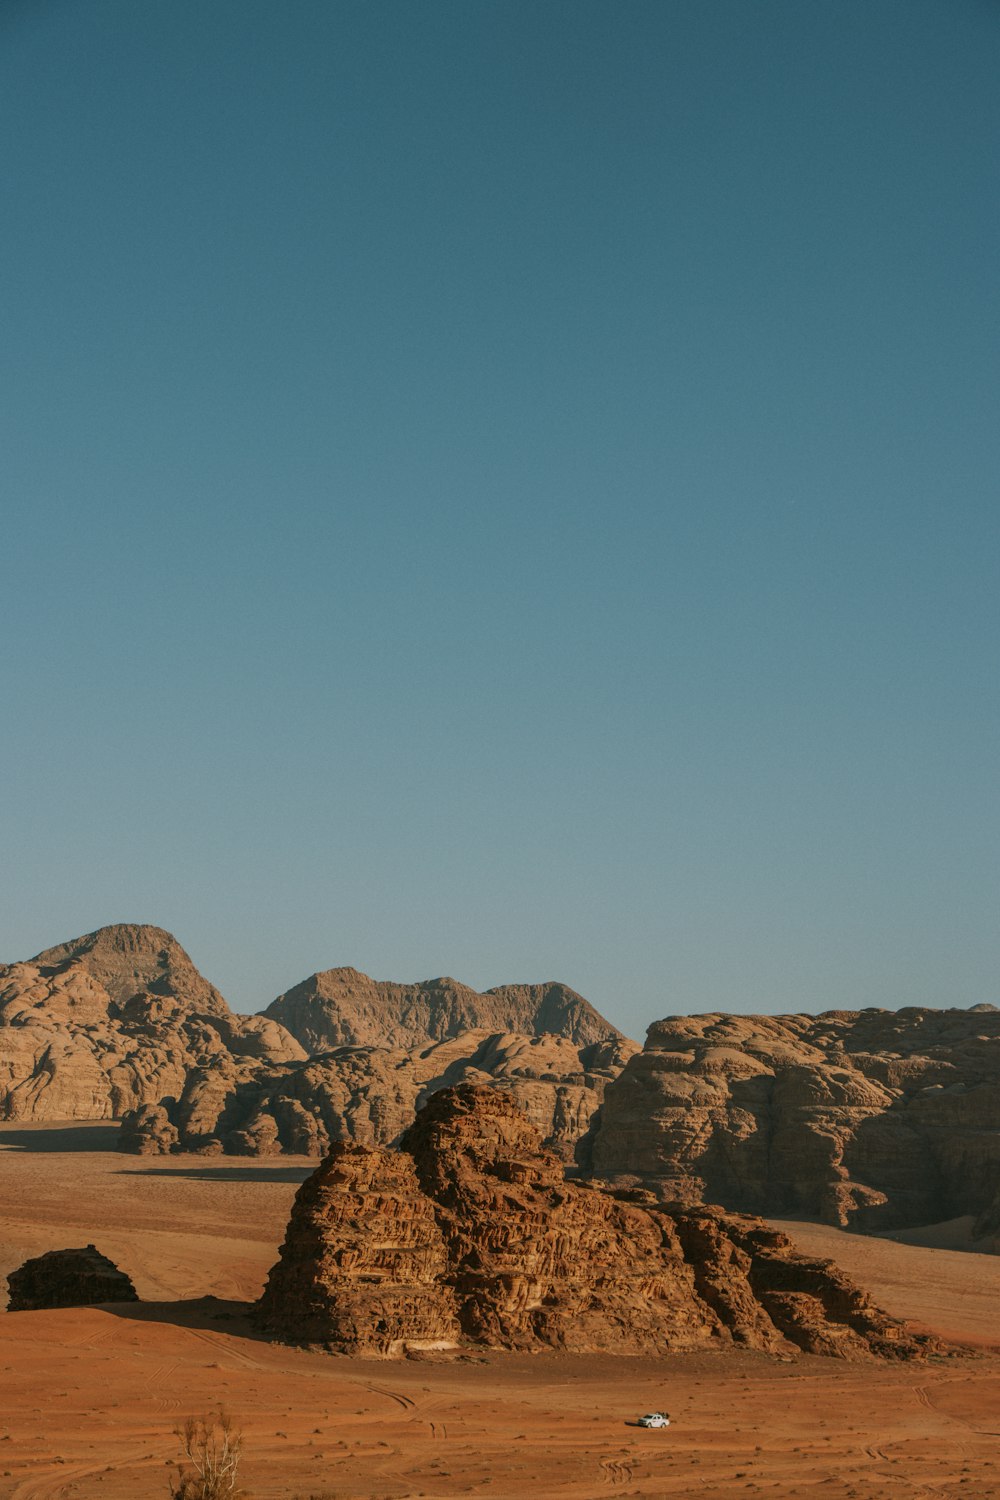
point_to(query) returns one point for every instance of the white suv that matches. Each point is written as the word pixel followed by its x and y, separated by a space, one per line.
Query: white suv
pixel 654 1419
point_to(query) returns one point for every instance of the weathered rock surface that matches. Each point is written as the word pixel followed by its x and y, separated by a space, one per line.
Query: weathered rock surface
pixel 370 1094
pixel 68 1278
pixel 469 1233
pixel 116 1020
pixel 120 1024
pixel 869 1119
pixel 343 1008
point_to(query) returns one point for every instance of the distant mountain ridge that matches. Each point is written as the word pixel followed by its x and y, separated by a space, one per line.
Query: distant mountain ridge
pixel 344 1008
pixel 119 1024
pixel 127 960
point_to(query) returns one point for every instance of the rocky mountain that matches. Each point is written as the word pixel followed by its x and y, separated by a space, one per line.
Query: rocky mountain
pixel 120 1024
pixel 470 1234
pixel 114 1020
pixel 871 1120
pixel 343 1008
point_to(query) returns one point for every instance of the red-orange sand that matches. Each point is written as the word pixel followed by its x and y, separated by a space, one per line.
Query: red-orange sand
pixel 89 1398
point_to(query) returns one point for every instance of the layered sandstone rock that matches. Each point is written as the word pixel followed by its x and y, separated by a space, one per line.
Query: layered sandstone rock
pixel 370 1094
pixel 120 1024
pixel 116 1020
pixel 367 1259
pixel 469 1233
pixel 866 1119
pixel 68 1278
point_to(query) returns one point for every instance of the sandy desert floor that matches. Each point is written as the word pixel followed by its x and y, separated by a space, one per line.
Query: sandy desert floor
pixel 90 1398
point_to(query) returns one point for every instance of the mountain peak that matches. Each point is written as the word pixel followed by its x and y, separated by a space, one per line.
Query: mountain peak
pixel 131 958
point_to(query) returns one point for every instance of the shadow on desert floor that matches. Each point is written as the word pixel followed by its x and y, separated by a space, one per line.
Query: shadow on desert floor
pixel 99 1136
pixel 212 1314
pixel 225 1174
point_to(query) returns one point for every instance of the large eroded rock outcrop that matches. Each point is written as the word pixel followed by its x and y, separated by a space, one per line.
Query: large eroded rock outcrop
pixel 370 1094
pixel 120 1024
pixel 116 1020
pixel 869 1119
pixel 470 1234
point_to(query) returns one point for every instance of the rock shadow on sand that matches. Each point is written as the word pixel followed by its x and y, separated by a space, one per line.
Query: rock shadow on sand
pixel 218 1315
pixel 225 1174
pixel 99 1135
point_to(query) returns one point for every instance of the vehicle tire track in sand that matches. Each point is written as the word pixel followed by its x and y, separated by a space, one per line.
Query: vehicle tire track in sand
pixel 404 1401
pixel 224 1348
pixel 155 1384
pixel 615 1471
pixel 50 1483
pixel 93 1340
pixel 923 1396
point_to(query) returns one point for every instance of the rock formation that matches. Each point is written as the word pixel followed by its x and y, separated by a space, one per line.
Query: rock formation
pixel 342 1008
pixel 68 1278
pixel 116 1020
pixel 120 1024
pixel 869 1119
pixel 370 1094
pixel 470 1234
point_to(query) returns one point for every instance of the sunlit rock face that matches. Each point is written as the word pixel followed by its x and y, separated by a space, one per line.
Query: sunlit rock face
pixel 119 1024
pixel 344 1008
pixel 116 1020
pixel 865 1119
pixel 470 1234
pixel 371 1094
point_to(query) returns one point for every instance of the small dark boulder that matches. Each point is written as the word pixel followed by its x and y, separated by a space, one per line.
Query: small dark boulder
pixel 68 1278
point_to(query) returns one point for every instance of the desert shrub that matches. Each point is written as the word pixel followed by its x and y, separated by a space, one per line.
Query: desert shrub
pixel 213 1448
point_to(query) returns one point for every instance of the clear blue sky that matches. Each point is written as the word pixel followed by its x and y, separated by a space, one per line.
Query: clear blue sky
pixel 506 489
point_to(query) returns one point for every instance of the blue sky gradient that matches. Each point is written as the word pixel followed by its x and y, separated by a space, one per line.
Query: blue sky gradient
pixel 506 490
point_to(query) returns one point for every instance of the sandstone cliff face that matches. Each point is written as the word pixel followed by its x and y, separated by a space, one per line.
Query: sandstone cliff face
pixel 370 1094
pixel 115 1020
pixel 866 1119
pixel 368 1259
pixel 470 1234
pixel 343 1008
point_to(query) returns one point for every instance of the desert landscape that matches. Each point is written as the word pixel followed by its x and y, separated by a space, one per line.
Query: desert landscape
pixel 498 784
pixel 91 1396
pixel 489 1189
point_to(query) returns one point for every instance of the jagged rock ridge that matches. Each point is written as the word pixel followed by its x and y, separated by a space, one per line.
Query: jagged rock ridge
pixel 870 1120
pixel 344 1008
pixel 469 1233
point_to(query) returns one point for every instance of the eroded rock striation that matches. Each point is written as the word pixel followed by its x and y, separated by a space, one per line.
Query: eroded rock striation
pixel 68 1278
pixel 370 1094
pixel 869 1119
pixel 469 1233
